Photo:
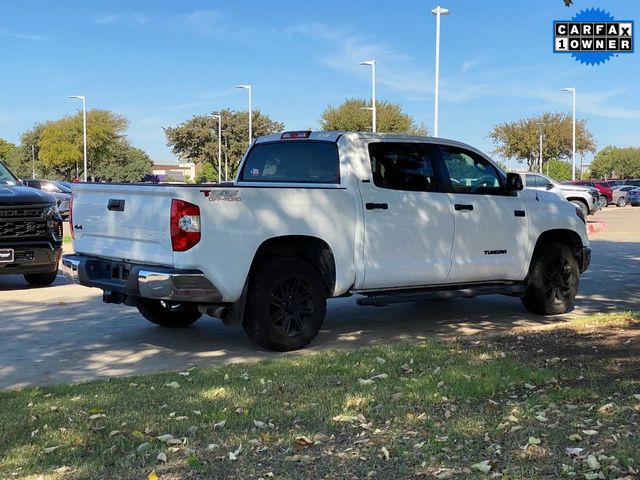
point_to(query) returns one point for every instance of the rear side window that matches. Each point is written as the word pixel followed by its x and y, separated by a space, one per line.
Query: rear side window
pixel 292 162
pixel 402 166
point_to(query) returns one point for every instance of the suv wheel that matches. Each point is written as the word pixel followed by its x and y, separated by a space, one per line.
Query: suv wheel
pixel 41 279
pixel 286 304
pixel 582 206
pixel 622 201
pixel 168 314
pixel 603 201
pixel 553 280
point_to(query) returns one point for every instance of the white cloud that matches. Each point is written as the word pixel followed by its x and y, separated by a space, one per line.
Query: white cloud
pixel 123 19
pixel 23 36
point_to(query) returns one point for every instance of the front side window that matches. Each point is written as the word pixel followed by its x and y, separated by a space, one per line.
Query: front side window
pixel 469 172
pixel 6 177
pixel 292 162
pixel 402 166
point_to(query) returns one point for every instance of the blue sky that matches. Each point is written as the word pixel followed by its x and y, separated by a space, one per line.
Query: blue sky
pixel 160 62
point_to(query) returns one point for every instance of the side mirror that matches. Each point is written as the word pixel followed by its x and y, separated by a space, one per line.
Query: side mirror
pixel 514 182
pixel 549 186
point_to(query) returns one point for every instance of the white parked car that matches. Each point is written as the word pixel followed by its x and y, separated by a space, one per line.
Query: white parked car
pixel 314 215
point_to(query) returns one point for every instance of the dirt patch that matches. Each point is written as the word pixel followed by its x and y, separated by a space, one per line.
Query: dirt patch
pixel 615 349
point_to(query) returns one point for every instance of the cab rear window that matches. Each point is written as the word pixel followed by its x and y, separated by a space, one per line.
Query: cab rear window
pixel 292 162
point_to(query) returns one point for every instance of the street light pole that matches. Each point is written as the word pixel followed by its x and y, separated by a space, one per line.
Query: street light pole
pixel 248 87
pixel 540 133
pixel 573 151
pixel 218 117
pixel 33 161
pixel 372 63
pixel 438 11
pixel 84 129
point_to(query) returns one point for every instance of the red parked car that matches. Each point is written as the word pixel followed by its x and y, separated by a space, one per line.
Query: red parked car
pixel 606 194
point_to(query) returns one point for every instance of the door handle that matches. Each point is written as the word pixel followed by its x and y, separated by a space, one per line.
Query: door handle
pixel 461 206
pixel 376 206
pixel 115 205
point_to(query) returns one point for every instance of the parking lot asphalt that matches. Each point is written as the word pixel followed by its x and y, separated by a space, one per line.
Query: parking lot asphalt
pixel 64 333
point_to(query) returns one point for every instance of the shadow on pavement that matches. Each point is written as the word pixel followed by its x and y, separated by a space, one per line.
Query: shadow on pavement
pixel 68 334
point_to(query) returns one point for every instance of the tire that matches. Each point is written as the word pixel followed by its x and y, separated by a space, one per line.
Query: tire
pixel 604 203
pixel 581 205
pixel 41 279
pixel 286 304
pixel 622 201
pixel 168 314
pixel 552 283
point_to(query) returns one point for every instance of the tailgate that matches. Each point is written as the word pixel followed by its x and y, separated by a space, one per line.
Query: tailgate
pixel 123 222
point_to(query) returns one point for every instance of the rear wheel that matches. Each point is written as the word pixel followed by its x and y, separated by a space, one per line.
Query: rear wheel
pixel 553 280
pixel 622 201
pixel 41 279
pixel 603 201
pixel 168 314
pixel 286 304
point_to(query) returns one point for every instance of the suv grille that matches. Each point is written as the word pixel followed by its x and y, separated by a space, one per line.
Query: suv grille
pixel 28 222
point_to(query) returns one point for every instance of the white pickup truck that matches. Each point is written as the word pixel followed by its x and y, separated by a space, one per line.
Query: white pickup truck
pixel 314 215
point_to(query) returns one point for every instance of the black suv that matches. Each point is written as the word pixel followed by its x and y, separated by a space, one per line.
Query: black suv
pixel 30 231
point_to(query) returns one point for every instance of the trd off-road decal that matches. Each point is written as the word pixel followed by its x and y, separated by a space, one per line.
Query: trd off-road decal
pixel 222 195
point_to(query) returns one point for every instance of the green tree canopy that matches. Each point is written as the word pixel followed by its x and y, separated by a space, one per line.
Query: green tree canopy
pixel 616 162
pixel 520 139
pixel 352 116
pixel 58 144
pixel 61 141
pixel 196 139
pixel 558 170
pixel 124 163
pixel 5 149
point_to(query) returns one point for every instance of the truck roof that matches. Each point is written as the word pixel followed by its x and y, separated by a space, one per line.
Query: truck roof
pixel 334 136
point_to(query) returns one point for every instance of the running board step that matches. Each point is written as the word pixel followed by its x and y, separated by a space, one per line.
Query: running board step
pixel 387 297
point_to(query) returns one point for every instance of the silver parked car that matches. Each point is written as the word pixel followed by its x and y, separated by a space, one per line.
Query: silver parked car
pixel 620 194
pixel 60 191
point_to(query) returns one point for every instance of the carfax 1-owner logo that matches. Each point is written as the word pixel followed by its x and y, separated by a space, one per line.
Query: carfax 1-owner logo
pixel 593 36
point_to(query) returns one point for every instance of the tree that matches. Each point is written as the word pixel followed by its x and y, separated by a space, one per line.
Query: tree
pixel 520 139
pixel 352 116
pixel 196 139
pixel 61 141
pixel 5 149
pixel 558 170
pixel 207 174
pixel 619 162
pixel 125 163
pixel 21 159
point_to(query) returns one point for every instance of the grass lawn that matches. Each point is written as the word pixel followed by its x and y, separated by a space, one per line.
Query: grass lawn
pixel 561 402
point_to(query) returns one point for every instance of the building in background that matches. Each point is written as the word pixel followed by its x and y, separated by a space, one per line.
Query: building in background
pixel 176 172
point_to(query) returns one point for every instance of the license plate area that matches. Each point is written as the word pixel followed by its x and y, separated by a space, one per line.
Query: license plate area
pixel 120 271
pixel 6 255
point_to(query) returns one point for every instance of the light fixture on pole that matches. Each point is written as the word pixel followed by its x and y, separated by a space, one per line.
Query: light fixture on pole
pixel 218 116
pixel 248 87
pixel 438 11
pixel 84 128
pixel 372 63
pixel 573 150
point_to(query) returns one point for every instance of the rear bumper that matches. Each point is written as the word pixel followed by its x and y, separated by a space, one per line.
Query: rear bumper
pixel 146 281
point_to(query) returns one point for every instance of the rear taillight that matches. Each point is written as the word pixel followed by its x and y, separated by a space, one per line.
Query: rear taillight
pixel 73 237
pixel 185 225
